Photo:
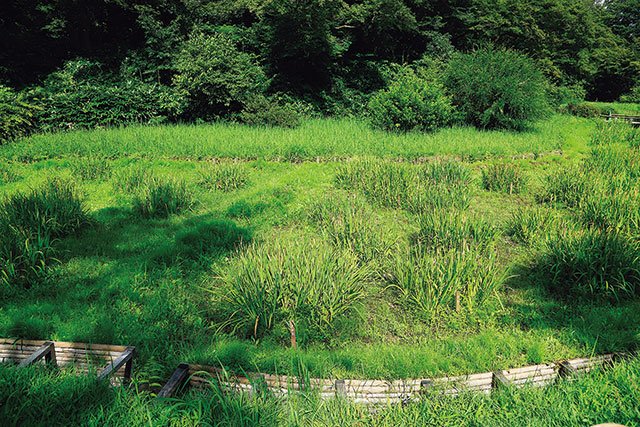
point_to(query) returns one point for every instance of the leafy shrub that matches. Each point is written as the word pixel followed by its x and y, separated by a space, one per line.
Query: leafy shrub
pixel 161 197
pixel 303 280
pixel 260 110
pixel 583 109
pixel 132 178
pixel 560 95
pixel 429 282
pixel 504 177
pixel 350 224
pixel 413 101
pixel 16 115
pixel 224 176
pixel 80 95
pixel 216 78
pixel 528 225
pixel 448 230
pixel 497 88
pixel 29 224
pixel 591 263
pixel 91 168
pixel 633 95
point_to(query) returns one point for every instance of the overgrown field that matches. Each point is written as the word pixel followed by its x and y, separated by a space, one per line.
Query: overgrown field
pixel 194 245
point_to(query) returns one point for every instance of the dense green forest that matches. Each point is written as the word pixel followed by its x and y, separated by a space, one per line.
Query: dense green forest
pixel 70 63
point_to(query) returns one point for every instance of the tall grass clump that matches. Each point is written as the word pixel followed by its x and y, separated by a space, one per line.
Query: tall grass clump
pixel 450 229
pixel 350 223
pixel 161 197
pixel 429 281
pixel 565 186
pixel 132 178
pixel 451 172
pixel 7 175
pixel 91 168
pixel 591 264
pixel 503 177
pixel 225 176
pixel 29 225
pixel 303 280
pixel 527 225
pixel 614 159
pixel 615 132
pixel 400 185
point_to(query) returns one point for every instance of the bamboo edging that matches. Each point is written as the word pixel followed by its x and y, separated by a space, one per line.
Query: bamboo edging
pixel 383 392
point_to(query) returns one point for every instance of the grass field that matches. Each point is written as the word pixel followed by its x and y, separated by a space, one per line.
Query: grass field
pixel 194 259
pixel 317 138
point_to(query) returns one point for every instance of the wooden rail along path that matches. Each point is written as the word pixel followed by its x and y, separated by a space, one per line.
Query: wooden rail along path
pixel 632 120
pixel 379 391
pixel 111 362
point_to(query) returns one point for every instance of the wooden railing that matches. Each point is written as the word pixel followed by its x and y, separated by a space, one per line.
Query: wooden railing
pixel 111 362
pixel 632 120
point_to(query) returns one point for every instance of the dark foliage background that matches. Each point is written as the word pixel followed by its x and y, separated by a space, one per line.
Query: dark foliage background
pixel 205 59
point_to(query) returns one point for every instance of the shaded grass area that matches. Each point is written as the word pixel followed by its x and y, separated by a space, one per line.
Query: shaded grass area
pixel 316 138
pixel 37 397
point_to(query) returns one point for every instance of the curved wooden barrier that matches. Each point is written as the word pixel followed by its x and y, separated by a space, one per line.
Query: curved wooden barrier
pixel 381 391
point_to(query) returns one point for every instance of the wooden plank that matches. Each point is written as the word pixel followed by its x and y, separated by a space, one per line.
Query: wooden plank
pixel 566 369
pixel 47 350
pixel 499 381
pixel 124 359
pixel 177 380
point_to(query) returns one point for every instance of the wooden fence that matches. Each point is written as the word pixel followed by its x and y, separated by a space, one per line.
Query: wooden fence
pixel 115 363
pixel 380 391
pixel 106 361
pixel 633 120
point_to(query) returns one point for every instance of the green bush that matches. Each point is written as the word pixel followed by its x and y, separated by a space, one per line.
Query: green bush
pixel 560 95
pixel 504 177
pixel 591 263
pixel 262 111
pixel 29 225
pixel 216 78
pixel 161 197
pixel 413 101
pixel 16 115
pixel 304 280
pixel 583 109
pixel 81 95
pixel 633 95
pixel 224 176
pixel 497 88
